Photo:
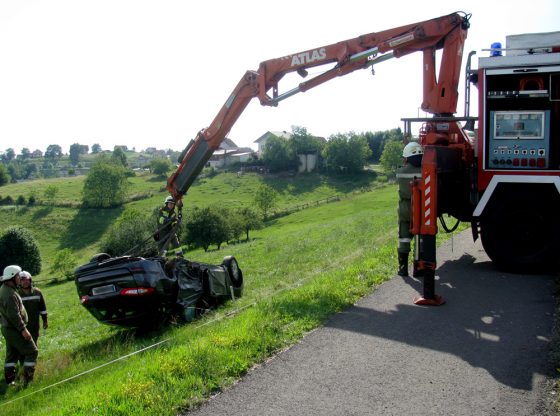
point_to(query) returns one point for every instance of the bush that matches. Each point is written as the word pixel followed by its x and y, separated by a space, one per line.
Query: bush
pixel 31 201
pixel 131 234
pixel 20 200
pixel 64 263
pixel 206 226
pixel 17 246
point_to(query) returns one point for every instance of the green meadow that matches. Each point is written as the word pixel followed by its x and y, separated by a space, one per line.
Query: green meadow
pixel 299 270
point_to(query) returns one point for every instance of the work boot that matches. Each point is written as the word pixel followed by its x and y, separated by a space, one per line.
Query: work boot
pixel 403 264
pixel 10 375
pixel 28 373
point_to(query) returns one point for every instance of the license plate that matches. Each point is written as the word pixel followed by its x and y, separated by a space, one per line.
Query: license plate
pixel 101 290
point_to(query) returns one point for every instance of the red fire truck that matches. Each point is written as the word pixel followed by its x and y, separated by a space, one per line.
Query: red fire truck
pixel 504 179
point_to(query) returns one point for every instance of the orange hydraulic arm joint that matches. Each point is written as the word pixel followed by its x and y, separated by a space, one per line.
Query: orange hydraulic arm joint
pixel 199 150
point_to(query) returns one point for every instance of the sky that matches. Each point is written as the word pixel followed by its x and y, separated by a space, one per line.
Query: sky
pixel 147 73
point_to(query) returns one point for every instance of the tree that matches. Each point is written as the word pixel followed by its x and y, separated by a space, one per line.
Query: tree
pixel 15 169
pixel 64 263
pixel 119 156
pixel 8 155
pixel 53 153
pixel 96 148
pixel 377 140
pixel 30 170
pixel 25 154
pixel 17 246
pixel 160 166
pixel 346 152
pixel 5 177
pixel 391 158
pixel 130 234
pixel 206 226
pixel 50 194
pixel 249 220
pixel 265 199
pixel 105 185
pixel 278 155
pixel 302 142
pixel 76 150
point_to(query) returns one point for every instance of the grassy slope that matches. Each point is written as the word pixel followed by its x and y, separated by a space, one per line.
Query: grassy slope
pixel 326 256
pixel 56 228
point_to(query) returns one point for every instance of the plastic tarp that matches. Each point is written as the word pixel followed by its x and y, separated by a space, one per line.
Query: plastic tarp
pixel 199 280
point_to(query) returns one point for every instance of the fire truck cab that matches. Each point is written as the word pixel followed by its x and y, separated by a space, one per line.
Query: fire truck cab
pixel 517 183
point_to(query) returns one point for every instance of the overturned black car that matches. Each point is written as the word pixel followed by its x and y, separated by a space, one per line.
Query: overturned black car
pixel 140 292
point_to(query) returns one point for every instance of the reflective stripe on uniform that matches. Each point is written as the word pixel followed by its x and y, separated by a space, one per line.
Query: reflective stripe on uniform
pixel 29 364
pixel 35 297
pixel 8 365
pixel 408 175
pixel 43 312
pixel 405 240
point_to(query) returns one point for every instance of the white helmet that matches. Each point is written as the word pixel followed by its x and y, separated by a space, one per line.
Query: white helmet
pixel 25 275
pixel 412 149
pixel 10 272
pixel 169 199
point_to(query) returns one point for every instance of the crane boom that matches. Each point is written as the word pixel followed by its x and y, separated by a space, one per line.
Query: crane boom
pixel 439 94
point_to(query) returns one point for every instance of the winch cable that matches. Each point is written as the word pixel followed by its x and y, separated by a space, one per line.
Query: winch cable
pixel 91 370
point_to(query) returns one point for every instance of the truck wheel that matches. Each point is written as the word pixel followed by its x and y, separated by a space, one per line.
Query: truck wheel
pixel 521 234
pixel 235 273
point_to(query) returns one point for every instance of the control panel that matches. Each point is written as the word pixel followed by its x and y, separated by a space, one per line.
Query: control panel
pixel 519 140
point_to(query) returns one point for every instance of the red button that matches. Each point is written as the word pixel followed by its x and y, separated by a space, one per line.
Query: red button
pixel 523 162
pixel 541 162
pixel 532 162
pixel 515 162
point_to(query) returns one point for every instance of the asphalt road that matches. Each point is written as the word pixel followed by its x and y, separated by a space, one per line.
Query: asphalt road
pixel 485 352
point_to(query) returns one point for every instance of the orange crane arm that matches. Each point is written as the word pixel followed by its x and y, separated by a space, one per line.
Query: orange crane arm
pixel 440 95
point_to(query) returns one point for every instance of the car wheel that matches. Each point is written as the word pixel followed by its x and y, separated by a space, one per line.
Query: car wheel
pixel 235 273
pixel 98 258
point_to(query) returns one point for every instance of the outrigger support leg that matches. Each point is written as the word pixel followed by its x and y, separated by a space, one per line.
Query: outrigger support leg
pixel 427 266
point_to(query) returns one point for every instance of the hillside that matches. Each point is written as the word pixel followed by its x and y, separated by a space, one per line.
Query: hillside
pixel 298 271
pixel 61 226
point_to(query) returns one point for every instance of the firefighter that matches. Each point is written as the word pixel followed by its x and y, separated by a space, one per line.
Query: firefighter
pixel 167 223
pixel 412 155
pixel 34 303
pixel 13 319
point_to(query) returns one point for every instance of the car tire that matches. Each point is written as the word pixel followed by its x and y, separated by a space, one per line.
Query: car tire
pixel 235 273
pixel 99 257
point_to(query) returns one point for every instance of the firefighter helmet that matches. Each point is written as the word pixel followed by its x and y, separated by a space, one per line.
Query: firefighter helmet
pixel 26 275
pixel 412 149
pixel 10 272
pixel 169 199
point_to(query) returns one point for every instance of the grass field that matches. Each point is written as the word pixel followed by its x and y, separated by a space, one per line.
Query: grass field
pixel 56 228
pixel 298 271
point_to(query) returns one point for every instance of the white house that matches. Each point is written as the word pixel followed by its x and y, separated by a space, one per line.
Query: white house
pixel 229 153
pixel 261 141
